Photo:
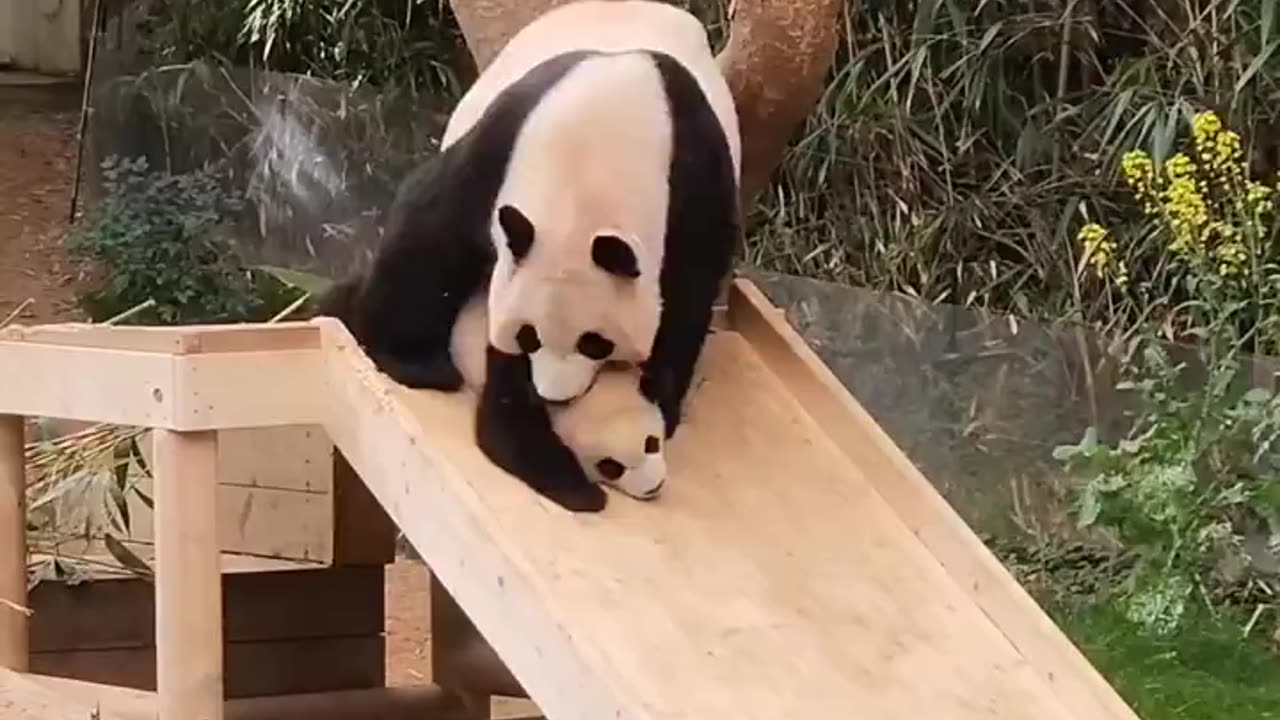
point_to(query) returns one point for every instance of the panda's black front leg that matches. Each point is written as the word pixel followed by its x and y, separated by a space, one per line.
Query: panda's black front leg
pixel 514 430
pixel 668 373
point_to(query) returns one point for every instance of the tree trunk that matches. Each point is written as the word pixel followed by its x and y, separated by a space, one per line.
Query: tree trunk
pixel 776 64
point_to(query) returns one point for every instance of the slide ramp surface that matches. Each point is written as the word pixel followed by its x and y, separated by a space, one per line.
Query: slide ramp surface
pixel 796 567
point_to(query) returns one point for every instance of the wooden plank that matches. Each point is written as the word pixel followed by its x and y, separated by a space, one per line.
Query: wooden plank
pixel 363 534
pixel 248 389
pixel 70 383
pixel 973 567
pixel 252 669
pixel 284 524
pixel 288 457
pixel 188 582
pixel 13 544
pixel 22 698
pixel 197 392
pixel 257 606
pixel 770 542
pixel 170 340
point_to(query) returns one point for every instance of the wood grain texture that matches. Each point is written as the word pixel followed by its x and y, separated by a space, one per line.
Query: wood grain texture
pixel 684 607
pixel 188 580
pixel 972 566
pixel 252 669
pixel 177 392
pixel 257 606
pixel 13 545
pixel 168 339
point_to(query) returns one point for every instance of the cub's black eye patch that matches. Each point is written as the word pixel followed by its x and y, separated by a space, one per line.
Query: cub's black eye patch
pixel 614 256
pixel 610 468
pixel 518 229
pixel 595 346
pixel 527 340
pixel 652 445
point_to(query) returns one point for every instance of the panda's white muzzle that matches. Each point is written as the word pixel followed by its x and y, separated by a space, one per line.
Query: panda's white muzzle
pixel 562 378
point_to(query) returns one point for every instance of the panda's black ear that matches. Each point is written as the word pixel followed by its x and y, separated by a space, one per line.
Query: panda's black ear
pixel 614 256
pixel 518 229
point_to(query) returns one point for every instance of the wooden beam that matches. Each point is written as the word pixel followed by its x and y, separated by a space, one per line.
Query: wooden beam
pixel 149 389
pixel 169 339
pixel 188 581
pixel 13 543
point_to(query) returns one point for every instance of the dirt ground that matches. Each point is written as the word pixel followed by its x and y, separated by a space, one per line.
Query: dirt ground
pixel 37 156
pixel 37 284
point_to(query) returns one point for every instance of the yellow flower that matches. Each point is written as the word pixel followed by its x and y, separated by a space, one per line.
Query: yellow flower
pixel 1205 125
pixel 1232 258
pixel 1258 199
pixel 1219 151
pixel 1185 209
pixel 1099 252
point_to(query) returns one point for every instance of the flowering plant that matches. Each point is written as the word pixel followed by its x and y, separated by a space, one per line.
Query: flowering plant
pixel 1195 486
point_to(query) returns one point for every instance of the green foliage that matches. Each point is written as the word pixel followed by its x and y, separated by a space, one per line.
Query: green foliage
pixel 954 148
pixel 402 43
pixel 1192 490
pixel 163 237
pixel 1206 672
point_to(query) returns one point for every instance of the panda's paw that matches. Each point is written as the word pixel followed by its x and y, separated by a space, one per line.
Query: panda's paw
pixel 578 498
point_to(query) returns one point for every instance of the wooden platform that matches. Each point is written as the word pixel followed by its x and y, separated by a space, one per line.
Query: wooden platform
pixel 797 566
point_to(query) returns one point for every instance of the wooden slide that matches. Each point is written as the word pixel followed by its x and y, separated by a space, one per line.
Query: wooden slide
pixel 796 567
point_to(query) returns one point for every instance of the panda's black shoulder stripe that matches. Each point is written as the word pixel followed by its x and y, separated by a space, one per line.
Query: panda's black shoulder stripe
pixel 486 148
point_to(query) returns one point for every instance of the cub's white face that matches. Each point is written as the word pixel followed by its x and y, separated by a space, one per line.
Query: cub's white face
pixel 569 314
pixel 616 434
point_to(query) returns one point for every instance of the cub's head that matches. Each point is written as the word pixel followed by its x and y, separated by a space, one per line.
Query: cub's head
pixel 571 299
pixel 616 434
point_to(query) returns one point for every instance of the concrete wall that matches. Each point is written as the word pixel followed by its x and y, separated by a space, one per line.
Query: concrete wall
pixel 41 35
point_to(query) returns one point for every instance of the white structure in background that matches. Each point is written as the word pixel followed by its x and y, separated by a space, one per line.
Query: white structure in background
pixel 42 36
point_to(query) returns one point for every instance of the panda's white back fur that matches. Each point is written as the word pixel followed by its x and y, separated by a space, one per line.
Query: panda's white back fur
pixel 606 26
pixel 588 161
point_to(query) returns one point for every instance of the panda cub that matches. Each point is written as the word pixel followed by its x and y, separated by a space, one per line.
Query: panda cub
pixel 614 431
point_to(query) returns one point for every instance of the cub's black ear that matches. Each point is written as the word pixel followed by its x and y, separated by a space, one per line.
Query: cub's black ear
pixel 518 229
pixel 614 256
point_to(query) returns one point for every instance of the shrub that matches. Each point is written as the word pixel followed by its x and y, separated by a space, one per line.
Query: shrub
pixel 163 237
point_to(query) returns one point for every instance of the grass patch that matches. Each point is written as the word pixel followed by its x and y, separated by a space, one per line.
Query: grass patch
pixel 1206 671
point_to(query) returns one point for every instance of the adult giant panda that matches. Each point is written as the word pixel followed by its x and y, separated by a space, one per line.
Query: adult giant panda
pixel 590 176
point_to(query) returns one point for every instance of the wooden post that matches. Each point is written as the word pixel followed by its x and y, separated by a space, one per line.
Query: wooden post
pixel 13 544
pixel 452 635
pixel 188 577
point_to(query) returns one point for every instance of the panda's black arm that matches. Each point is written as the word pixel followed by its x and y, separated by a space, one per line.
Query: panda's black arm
pixel 668 373
pixel 514 430
pixel 429 262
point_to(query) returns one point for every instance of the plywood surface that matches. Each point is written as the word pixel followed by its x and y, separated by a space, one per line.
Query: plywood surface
pixel 771 581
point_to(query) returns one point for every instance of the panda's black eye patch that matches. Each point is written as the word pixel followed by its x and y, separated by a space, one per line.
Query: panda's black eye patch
pixel 595 346
pixel 652 445
pixel 527 340
pixel 614 256
pixel 610 468
pixel 518 229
